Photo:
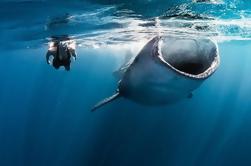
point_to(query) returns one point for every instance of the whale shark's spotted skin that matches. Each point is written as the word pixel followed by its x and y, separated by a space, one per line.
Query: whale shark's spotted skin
pixel 166 70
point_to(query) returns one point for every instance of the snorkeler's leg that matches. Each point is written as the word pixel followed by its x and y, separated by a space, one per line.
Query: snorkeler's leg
pixel 55 64
pixel 67 67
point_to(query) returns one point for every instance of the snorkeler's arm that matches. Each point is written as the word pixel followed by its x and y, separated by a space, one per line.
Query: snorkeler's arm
pixel 73 53
pixel 48 54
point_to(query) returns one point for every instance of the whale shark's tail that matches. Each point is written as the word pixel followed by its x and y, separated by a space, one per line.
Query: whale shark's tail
pixel 106 101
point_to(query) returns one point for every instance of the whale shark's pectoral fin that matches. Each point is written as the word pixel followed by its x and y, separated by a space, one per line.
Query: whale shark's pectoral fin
pixel 106 101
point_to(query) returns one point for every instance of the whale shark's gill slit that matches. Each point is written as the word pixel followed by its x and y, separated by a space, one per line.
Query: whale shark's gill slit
pixel 106 101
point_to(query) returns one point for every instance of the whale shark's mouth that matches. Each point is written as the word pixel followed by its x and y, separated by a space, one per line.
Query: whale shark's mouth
pixel 197 58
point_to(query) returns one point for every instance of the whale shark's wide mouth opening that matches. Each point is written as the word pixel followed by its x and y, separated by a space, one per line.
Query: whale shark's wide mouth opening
pixel 192 57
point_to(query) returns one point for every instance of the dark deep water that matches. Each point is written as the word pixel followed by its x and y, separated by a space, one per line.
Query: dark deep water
pixel 45 117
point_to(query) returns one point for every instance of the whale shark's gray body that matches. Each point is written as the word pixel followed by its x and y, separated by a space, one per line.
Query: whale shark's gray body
pixel 166 70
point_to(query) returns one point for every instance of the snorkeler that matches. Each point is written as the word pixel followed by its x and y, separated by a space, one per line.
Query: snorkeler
pixel 62 51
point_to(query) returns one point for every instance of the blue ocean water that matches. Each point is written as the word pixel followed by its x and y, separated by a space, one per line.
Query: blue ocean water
pixel 45 117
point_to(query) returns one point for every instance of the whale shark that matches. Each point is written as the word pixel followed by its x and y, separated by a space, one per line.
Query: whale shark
pixel 166 70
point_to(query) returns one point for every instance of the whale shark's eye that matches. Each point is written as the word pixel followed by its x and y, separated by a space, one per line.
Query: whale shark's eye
pixel 192 56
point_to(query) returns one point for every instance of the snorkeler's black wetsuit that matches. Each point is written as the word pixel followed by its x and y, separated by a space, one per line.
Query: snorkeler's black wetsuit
pixel 65 62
